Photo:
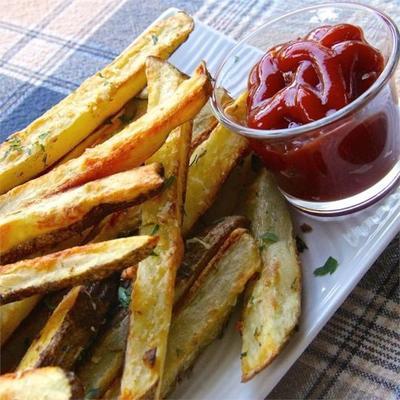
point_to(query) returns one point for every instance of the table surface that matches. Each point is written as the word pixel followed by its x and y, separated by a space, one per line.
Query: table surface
pixel 49 47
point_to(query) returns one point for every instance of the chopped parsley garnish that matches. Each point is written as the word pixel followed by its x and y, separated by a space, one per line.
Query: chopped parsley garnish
pixel 244 354
pixel 154 254
pixel 197 157
pixel 14 145
pixel 301 244
pixel 155 39
pixel 155 229
pixel 169 181
pixel 269 237
pixel 124 296
pixel 329 267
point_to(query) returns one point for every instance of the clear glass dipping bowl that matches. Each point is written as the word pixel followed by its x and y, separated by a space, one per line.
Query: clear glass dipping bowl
pixel 358 180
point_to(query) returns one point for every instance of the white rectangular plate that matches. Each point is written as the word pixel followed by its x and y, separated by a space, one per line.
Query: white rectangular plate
pixel 355 241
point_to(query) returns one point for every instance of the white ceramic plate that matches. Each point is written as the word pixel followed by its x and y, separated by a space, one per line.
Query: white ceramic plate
pixel 355 241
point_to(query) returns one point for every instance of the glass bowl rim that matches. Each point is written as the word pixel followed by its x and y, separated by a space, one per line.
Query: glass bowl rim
pixel 355 105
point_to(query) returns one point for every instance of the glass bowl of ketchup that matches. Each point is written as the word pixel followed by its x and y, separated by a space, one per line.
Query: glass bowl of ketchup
pixel 314 91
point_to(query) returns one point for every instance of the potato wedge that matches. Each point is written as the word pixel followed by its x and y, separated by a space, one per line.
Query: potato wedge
pixel 11 315
pixel 58 217
pixel 203 124
pixel 153 290
pixel 70 267
pixel 15 348
pixel 127 149
pixel 32 150
pixel 274 301
pixel 201 249
pixel 71 327
pixel 209 303
pixel 41 383
pixel 105 362
pixel 219 154
pixel 133 110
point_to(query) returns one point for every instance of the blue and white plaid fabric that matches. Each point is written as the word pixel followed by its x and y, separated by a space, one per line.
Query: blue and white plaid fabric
pixel 48 47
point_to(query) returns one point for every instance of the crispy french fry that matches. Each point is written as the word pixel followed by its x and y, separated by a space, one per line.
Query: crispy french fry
pixel 71 327
pixel 125 150
pixel 58 217
pixel 274 301
pixel 209 303
pixel 201 249
pixel 153 290
pixel 70 267
pixel 133 110
pixel 11 315
pixel 15 348
pixel 44 141
pixel 41 383
pixel 219 154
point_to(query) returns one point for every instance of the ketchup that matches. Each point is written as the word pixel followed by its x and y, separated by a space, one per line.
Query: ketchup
pixel 308 79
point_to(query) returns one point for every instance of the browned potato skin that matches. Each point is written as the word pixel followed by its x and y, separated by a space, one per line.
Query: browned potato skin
pixel 58 270
pixel 197 255
pixel 70 335
pixel 40 383
pixel 93 216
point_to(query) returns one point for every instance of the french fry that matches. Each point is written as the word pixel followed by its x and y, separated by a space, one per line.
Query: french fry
pixel 153 290
pixel 133 110
pixel 219 154
pixel 58 217
pixel 11 315
pixel 70 267
pixel 127 149
pixel 201 249
pixel 15 348
pixel 274 301
pixel 32 150
pixel 41 383
pixel 209 303
pixel 71 327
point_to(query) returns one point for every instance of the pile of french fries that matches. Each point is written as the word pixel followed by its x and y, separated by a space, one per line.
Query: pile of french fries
pixel 131 223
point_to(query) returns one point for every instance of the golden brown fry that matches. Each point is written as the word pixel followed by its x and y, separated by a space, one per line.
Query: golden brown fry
pixel 125 150
pixel 153 290
pixel 41 383
pixel 133 110
pixel 32 150
pixel 71 327
pixel 219 154
pixel 58 217
pixel 70 267
pixel 274 301
pixel 208 304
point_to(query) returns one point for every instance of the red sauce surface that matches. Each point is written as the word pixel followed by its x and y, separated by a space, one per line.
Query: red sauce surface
pixel 303 81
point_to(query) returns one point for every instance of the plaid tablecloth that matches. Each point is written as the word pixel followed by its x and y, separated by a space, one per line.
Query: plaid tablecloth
pixel 48 47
